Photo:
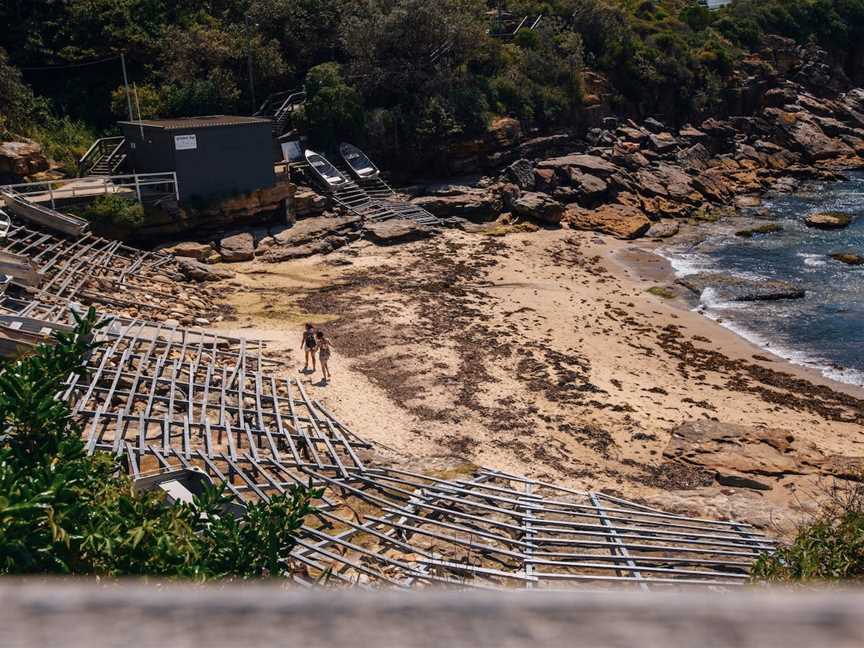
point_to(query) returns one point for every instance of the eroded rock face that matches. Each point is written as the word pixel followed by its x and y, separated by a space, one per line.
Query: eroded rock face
pixel 21 159
pixel 190 249
pixel 621 221
pixel 396 230
pixel 592 164
pixel 539 207
pixel 749 457
pixel 197 271
pixel 521 173
pixel 731 288
pixel 462 201
pixel 828 220
pixel 240 247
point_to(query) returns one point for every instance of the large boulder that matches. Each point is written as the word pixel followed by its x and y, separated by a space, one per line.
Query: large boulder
pixel 197 271
pixel 319 227
pixel 592 164
pixel 240 247
pixel 324 245
pixel 190 250
pixel 539 207
pixel 667 181
pixel 621 221
pixel 462 201
pixel 396 230
pixel 308 202
pixel 828 220
pixel 590 187
pixel 521 173
pixel 804 135
pixel 663 229
pixel 738 453
pixel 21 159
pixel 726 287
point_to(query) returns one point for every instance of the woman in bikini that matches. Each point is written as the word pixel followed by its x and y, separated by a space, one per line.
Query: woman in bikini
pixel 309 345
pixel 325 347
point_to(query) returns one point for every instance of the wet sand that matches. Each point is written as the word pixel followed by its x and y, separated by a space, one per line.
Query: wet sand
pixel 542 354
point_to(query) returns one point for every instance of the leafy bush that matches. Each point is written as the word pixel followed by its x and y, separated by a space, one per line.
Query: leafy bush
pixel 829 548
pixel 64 512
pixel 116 211
pixel 63 139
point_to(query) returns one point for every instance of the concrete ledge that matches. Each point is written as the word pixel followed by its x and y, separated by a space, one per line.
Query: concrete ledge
pixel 78 615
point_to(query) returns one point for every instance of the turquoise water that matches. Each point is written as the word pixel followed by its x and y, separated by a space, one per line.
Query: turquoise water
pixel 826 328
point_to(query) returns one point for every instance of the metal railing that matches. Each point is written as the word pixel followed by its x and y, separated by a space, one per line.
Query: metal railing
pixel 140 185
pixel 108 149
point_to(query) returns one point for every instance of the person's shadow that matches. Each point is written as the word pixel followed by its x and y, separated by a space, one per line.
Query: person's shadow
pixel 322 383
pixel 306 372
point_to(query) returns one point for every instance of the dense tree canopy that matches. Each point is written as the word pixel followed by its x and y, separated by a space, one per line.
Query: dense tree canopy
pixel 405 72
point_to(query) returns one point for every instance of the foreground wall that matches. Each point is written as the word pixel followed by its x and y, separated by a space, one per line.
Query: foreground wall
pixel 79 615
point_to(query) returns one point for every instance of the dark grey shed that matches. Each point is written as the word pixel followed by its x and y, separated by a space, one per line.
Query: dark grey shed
pixel 214 157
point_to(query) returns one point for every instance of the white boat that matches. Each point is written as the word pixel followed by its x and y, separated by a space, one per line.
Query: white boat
pixel 324 171
pixel 358 162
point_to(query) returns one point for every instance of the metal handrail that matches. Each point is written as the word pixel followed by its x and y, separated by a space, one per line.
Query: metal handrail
pixel 98 147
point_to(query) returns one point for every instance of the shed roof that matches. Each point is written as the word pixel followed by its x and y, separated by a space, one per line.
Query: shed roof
pixel 209 121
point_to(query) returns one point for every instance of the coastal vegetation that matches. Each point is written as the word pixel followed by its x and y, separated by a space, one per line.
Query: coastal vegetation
pixel 408 73
pixel 63 511
pixel 830 547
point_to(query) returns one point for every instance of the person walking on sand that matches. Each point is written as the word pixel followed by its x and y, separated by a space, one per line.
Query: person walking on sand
pixel 325 347
pixel 309 345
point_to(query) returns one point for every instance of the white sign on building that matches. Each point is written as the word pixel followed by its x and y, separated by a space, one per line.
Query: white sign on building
pixel 185 142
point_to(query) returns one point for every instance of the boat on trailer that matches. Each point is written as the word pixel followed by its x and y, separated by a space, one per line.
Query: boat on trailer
pixel 358 162
pixel 325 172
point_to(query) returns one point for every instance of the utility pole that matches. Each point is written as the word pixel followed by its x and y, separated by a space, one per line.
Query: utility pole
pixel 126 83
pixel 249 61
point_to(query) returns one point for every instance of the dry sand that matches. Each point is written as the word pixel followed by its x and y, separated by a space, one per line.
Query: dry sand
pixel 540 354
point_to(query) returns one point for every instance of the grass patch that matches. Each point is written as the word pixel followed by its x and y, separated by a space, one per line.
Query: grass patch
pixel 768 228
pixel 663 291
pixel 64 140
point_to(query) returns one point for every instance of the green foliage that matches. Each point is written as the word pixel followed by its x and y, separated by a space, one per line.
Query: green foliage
pixel 64 512
pixel 64 140
pixel 114 211
pixel 828 548
pixel 333 109
pixel 16 99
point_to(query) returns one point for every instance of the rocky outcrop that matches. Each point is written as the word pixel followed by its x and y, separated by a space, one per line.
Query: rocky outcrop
pixel 19 160
pixel 464 201
pixel 828 220
pixel 539 207
pixel 307 202
pixel 621 221
pixel 240 247
pixel 751 457
pixel 663 229
pixel 396 230
pixel 849 258
pixel 189 249
pixel 197 271
pixel 727 287
pixel 521 173
pixel 308 237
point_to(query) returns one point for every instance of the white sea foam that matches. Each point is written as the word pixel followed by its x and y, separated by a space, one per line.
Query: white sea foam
pixel 813 260
pixel 795 356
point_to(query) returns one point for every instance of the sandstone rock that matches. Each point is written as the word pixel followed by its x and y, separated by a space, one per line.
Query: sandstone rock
pixel 545 179
pixel 654 125
pixel 693 159
pixel 21 159
pixel 663 229
pixel 323 245
pixel 396 230
pixel 588 163
pixel 828 220
pixel 458 200
pixel 849 258
pixel 667 181
pixel 197 271
pixel 504 133
pixel 190 249
pixel 521 172
pixel 628 156
pixel 737 452
pixel 621 221
pixel 693 134
pixel 240 247
pixel 319 227
pixel 731 288
pixel 714 186
pixel 804 135
pixel 308 202
pixel 663 142
pixel 539 207
pixel 589 186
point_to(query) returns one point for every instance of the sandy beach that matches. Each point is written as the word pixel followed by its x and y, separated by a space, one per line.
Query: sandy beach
pixel 545 354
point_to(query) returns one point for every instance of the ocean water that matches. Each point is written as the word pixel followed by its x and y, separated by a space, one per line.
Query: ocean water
pixel 825 329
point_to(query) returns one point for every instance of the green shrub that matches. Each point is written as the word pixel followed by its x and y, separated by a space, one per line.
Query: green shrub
pixel 64 512
pixel 116 211
pixel 829 548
